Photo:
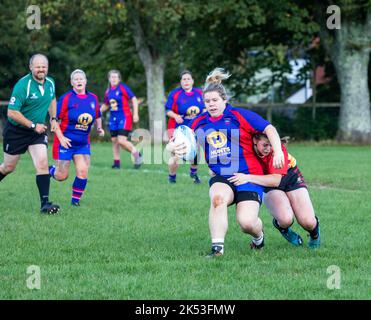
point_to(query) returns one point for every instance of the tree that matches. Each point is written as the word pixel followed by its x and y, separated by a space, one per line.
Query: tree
pixel 349 46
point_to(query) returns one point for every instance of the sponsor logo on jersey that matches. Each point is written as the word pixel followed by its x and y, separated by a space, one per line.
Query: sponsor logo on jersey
pixel 83 121
pixel 192 112
pixel 218 141
pixel 34 96
pixel 113 105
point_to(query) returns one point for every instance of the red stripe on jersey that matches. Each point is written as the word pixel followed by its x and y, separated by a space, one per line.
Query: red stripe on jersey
pixel 97 108
pixel 171 127
pixel 174 107
pixel 63 116
pixel 126 109
pixel 198 91
pixel 105 99
pixel 197 120
pixel 246 143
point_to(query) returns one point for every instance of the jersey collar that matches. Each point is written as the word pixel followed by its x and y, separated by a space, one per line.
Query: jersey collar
pixel 227 111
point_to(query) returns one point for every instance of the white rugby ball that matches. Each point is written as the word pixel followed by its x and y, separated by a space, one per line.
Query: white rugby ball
pixel 186 135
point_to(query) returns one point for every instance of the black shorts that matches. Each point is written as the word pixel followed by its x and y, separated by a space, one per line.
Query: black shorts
pixel 120 132
pixel 239 196
pixel 291 181
pixel 18 139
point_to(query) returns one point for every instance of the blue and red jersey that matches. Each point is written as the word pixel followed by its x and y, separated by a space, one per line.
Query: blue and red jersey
pixel 117 98
pixel 227 140
pixel 187 104
pixel 77 114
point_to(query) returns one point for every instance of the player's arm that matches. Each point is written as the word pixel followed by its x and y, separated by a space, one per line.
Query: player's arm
pixel 274 139
pixel 269 180
pixel 98 125
pixel 53 115
pixel 64 141
pixel 169 112
pixel 103 108
pixel 135 103
pixel 177 117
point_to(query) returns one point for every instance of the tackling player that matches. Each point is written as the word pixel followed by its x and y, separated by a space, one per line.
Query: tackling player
pixel 286 193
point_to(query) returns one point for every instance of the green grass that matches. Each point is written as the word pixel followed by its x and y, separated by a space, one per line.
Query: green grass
pixel 137 237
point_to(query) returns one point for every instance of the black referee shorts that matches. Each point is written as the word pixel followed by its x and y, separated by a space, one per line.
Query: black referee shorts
pixel 17 139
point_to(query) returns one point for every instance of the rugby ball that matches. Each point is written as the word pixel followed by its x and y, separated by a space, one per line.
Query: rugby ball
pixel 186 135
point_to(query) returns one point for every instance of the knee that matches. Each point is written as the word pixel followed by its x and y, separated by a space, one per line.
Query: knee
pixel 247 224
pixel 9 168
pixel 285 220
pixel 308 223
pixel 218 200
pixel 61 176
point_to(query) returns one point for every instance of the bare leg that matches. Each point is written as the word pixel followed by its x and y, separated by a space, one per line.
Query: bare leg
pixel 248 219
pixel 303 208
pixel 221 195
pixel 62 168
pixel 9 164
pixel 279 206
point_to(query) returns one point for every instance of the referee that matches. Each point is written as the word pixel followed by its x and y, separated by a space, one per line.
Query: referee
pixel 33 96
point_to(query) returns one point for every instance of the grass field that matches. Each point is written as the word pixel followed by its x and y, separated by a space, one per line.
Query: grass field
pixel 137 237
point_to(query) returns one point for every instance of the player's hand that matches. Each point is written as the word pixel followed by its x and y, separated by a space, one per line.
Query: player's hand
pixel 136 118
pixel 40 128
pixel 278 160
pixel 239 178
pixel 100 132
pixel 211 173
pixel 54 125
pixel 177 149
pixel 65 142
pixel 179 119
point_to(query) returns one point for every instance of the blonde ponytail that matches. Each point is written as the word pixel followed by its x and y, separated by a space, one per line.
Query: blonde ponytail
pixel 217 76
pixel 214 82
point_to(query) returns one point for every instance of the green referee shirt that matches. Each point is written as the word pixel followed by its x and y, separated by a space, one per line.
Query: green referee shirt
pixel 32 99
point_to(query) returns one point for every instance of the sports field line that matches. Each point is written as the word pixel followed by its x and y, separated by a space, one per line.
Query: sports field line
pixel 312 185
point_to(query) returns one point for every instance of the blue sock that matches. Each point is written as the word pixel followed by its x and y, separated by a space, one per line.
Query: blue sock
pixel 52 171
pixel 78 189
pixel 172 177
pixel 193 171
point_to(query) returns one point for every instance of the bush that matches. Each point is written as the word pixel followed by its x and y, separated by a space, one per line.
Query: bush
pixel 303 127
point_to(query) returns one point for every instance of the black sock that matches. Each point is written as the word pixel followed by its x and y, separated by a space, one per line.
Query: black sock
pixel 2 176
pixel 314 233
pixel 43 183
pixel 283 230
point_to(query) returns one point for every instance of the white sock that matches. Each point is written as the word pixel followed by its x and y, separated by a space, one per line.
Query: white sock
pixel 258 240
